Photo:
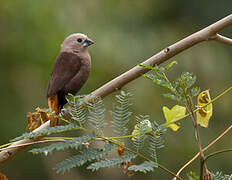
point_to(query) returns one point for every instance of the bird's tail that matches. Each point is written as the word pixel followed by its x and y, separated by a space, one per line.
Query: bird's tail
pixel 54 107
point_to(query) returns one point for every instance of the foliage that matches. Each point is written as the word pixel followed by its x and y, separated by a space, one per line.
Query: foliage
pixel 76 109
pixel 142 127
pixel 74 143
pixel 206 110
pixel 48 131
pixel 181 90
pixel 84 156
pixel 80 116
pixel 177 112
pixel 96 114
pixel 121 113
pixel 111 162
pixel 155 140
pixel 178 87
pixel 146 136
pixel 220 176
pixel 193 176
pixel 144 167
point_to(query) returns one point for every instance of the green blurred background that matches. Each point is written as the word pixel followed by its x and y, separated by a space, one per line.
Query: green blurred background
pixel 126 33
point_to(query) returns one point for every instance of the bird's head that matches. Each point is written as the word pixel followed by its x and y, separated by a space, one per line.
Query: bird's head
pixel 76 43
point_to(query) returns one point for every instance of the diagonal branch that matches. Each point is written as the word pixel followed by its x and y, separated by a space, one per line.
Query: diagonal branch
pixel 205 34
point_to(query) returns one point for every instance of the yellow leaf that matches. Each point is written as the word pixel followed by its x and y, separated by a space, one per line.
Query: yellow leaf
pixel 205 113
pixel 177 112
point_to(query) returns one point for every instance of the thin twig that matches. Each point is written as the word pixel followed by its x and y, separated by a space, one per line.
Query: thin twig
pixel 222 39
pixel 204 149
pixel 189 107
pixel 217 152
pixel 230 177
pixel 31 143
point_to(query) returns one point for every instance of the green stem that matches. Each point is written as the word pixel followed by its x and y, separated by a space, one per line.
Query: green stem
pixel 57 138
pixel 112 138
pixel 5 145
pixel 94 138
pixel 61 118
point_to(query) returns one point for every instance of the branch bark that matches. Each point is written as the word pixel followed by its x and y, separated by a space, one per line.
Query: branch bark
pixel 222 39
pixel 208 33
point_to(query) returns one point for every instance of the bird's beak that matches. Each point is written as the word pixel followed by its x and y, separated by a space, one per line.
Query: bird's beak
pixel 88 42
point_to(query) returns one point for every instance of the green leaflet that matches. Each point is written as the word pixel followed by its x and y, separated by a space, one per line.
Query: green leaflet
pixel 75 143
pixel 96 114
pixel 220 176
pixel 76 109
pixel 121 113
pixel 144 167
pixel 82 158
pixel 139 133
pixel 111 162
pixel 48 131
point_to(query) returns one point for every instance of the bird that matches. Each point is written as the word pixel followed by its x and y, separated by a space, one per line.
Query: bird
pixel 70 71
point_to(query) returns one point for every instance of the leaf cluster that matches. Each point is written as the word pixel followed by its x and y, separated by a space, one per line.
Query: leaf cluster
pixel 121 113
pixel 147 135
pixel 146 166
pixel 178 87
pixel 93 114
pixel 74 143
pixel 84 156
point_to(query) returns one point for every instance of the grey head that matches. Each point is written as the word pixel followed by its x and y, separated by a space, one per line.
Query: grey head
pixel 76 43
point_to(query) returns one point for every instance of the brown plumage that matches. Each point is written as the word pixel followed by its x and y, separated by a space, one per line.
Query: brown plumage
pixel 70 71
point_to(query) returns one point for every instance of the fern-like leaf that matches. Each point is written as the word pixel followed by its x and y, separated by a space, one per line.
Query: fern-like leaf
pixel 75 143
pixel 87 155
pixel 188 79
pixel 76 109
pixel 155 140
pixel 152 148
pixel 96 113
pixel 144 167
pixel 111 162
pixel 139 133
pixel 121 113
pixel 220 176
pixel 172 97
pixel 48 131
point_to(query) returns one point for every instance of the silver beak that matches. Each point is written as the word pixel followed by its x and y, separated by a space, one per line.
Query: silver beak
pixel 88 42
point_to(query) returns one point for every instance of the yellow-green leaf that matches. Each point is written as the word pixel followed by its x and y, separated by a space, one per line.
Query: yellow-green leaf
pixel 205 113
pixel 171 115
pixel 141 129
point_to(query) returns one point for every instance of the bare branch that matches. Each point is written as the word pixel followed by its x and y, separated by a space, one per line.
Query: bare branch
pixel 200 36
pixel 8 154
pixel 117 83
pixel 31 143
pixel 222 39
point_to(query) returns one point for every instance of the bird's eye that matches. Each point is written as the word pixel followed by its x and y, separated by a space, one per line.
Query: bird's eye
pixel 79 40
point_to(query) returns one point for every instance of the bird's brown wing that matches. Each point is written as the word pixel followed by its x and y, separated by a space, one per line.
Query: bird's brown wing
pixel 65 68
